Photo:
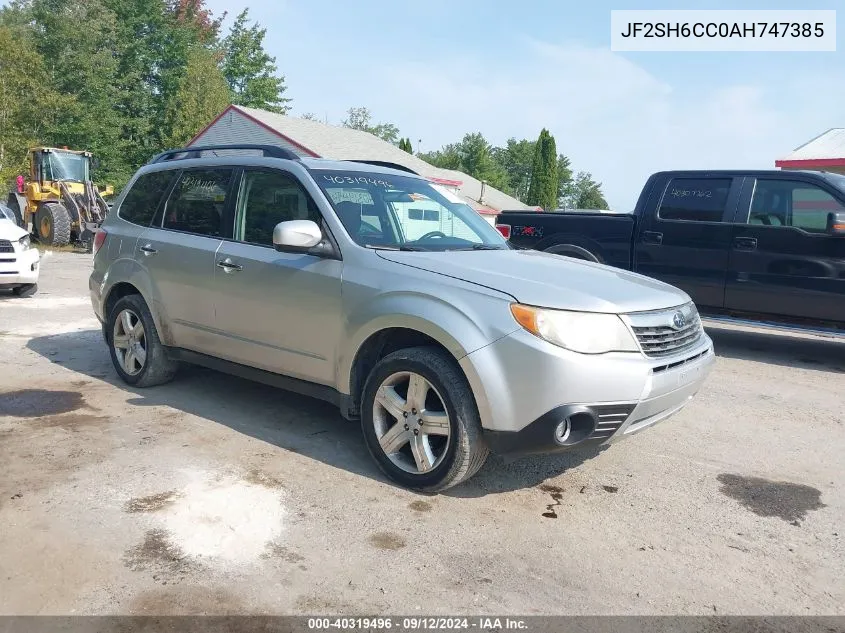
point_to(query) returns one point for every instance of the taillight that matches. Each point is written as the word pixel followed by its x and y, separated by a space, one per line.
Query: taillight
pixel 99 240
pixel 505 230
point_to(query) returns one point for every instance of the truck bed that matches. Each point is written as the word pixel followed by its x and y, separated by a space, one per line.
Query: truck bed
pixel 601 236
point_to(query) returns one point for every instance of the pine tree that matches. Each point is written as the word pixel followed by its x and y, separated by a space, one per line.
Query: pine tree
pixel 250 71
pixel 543 191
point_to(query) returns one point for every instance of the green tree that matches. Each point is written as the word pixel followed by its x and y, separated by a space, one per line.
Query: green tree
pixel 448 157
pixel 405 145
pixel 361 119
pixel 309 116
pixel 28 104
pixel 157 37
pixel 477 160
pixel 543 190
pixel 516 159
pixel 80 46
pixel 250 71
pixel 203 94
pixel 585 193
pixel 564 177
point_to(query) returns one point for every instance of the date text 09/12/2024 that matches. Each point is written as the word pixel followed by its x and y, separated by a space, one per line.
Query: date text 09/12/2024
pixel 417 624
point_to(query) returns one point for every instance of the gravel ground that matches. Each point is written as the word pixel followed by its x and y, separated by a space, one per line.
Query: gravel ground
pixel 215 495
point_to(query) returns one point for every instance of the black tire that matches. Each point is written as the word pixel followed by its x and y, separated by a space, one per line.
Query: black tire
pixel 27 290
pixel 158 367
pixel 466 451
pixel 52 223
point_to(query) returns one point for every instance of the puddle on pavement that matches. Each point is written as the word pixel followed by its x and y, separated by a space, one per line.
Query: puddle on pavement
pixel 388 541
pixel 765 498
pixel 33 403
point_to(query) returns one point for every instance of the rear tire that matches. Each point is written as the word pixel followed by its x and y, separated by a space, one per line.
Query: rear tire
pixel 137 353
pixel 455 457
pixel 27 290
pixel 52 222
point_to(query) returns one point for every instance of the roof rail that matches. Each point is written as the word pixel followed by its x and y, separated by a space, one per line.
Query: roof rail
pixel 384 163
pixel 270 151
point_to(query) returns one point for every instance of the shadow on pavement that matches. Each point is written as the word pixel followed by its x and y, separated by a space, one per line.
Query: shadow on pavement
pixel 292 422
pixel 779 349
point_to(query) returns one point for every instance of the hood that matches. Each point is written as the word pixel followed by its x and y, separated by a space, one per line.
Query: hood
pixel 549 281
pixel 10 231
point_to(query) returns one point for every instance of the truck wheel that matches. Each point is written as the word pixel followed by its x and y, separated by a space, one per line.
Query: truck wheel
pixel 136 350
pixel 420 421
pixel 27 290
pixel 52 221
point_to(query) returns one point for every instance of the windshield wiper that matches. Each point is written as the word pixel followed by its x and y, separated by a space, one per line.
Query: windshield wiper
pixel 481 247
pixel 404 247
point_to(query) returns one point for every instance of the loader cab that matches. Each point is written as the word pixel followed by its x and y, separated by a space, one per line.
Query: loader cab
pixel 52 165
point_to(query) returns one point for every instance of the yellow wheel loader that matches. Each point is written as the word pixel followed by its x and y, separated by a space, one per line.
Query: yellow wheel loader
pixel 59 204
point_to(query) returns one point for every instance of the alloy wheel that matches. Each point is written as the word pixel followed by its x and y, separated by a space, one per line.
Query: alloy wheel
pixel 130 342
pixel 411 422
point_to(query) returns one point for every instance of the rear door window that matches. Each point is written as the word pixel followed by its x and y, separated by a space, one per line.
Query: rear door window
pixel 792 203
pixel 198 202
pixel 695 199
pixel 142 201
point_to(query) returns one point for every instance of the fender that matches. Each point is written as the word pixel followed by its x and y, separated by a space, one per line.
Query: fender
pixel 452 326
pixel 127 270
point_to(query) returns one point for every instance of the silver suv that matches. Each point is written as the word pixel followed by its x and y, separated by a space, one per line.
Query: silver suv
pixel 384 293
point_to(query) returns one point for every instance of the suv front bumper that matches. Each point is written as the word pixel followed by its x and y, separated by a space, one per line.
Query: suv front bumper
pixel 526 388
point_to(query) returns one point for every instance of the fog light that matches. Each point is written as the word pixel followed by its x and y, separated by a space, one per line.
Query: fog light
pixel 562 431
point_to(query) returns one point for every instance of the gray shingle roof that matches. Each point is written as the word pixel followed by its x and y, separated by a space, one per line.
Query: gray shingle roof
pixel 341 143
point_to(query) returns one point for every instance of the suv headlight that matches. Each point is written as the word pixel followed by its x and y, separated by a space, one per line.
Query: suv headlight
pixel 584 332
pixel 25 242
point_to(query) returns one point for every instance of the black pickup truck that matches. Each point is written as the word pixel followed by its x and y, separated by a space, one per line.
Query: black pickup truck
pixel 759 245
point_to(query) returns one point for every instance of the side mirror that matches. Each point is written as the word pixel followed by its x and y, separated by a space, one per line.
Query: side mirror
pixel 297 236
pixel 836 223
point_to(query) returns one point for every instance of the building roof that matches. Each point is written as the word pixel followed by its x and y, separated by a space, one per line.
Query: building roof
pixel 320 140
pixel 826 150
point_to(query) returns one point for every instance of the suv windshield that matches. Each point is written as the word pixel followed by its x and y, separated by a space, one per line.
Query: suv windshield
pixel 65 166
pixel 402 212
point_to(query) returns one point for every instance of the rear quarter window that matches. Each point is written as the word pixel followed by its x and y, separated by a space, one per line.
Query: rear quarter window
pixel 143 199
pixel 695 199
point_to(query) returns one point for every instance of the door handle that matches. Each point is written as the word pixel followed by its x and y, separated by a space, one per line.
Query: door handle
pixel 652 237
pixel 147 249
pixel 745 243
pixel 229 266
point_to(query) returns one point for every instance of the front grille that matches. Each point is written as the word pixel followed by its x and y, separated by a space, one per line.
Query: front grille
pixel 659 336
pixel 7 260
pixel 610 418
pixel 6 247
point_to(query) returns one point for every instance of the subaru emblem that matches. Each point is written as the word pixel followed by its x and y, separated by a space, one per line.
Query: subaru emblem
pixel 679 320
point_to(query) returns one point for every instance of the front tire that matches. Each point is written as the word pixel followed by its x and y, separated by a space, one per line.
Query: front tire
pixel 27 290
pixel 136 349
pixel 53 223
pixel 420 421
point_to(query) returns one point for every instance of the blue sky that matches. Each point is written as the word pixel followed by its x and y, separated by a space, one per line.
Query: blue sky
pixel 441 68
